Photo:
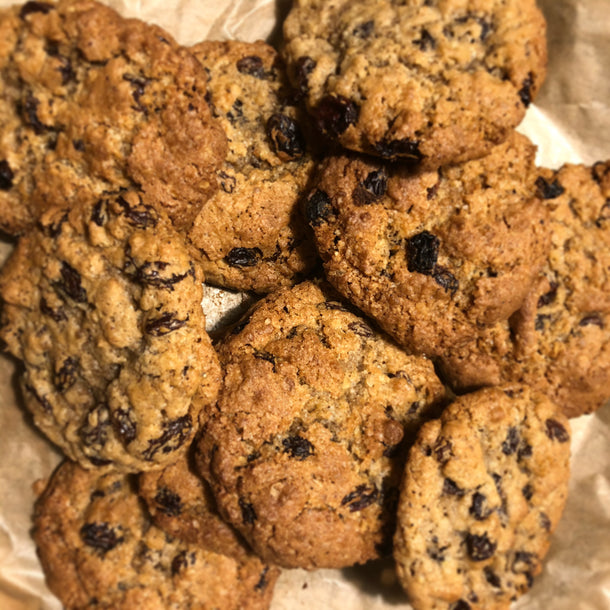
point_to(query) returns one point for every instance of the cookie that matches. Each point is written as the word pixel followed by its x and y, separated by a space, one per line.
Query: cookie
pixel 103 305
pixel 433 256
pixel 559 340
pixel 99 549
pixel 94 102
pixel 429 82
pixel 316 412
pixel 251 234
pixel 483 490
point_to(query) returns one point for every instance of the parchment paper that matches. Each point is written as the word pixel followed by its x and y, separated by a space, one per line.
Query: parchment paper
pixel 570 122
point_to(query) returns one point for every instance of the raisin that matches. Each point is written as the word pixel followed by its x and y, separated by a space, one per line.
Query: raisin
pixel 422 253
pixel 604 215
pixel 334 306
pixel 286 137
pixel 168 502
pixel 525 451
pixel 150 274
pixel 78 145
pixel 334 114
pixel 525 93
pixel 364 30
pixel 360 498
pixel 248 514
pixel 98 214
pixel 480 548
pixel 460 605
pixel 35 7
pixel 55 228
pixel 407 150
pixel 236 112
pixel 319 208
pixel 545 522
pixel 124 425
pixel 227 183
pixel 164 324
pixel 181 561
pixel 138 84
pixel 252 66
pixel 373 187
pixel 556 432
pixel 592 320
pixel 451 488
pixel 445 279
pixel 524 562
pixel 298 447
pixel 71 283
pixel 30 112
pixel 443 450
pixel 509 446
pixel 304 67
pixel 477 508
pixel 492 578
pixel 175 433
pixel 6 175
pixel 95 435
pixel 436 552
pixel 100 536
pixel 541 320
pixel 262 583
pixel 361 329
pixel 548 297
pixel 527 491
pixel 57 315
pixel 548 190
pixel 243 257
pixel 426 41
pixel 139 215
pixel 262 355
pixel 65 377
pixel 66 70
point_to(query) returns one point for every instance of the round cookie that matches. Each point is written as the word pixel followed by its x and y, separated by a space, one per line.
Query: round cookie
pixel 317 410
pixel 251 233
pixel 559 340
pixel 483 490
pixel 433 256
pixel 103 304
pixel 431 82
pixel 99 549
pixel 94 102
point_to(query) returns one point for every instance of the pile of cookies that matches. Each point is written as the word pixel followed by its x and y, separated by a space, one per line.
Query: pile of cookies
pixel 431 307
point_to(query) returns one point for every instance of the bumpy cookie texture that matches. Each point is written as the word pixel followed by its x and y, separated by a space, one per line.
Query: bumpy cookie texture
pixel 484 488
pixel 432 82
pixel 559 340
pixel 99 549
pixel 305 452
pixel 103 305
pixel 251 234
pixel 95 102
pixel 432 256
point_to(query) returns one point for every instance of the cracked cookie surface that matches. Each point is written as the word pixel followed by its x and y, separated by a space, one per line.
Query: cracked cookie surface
pixel 102 303
pixel 483 490
pixel 94 102
pixel 99 549
pixel 317 410
pixel 251 233
pixel 432 82
pixel 433 256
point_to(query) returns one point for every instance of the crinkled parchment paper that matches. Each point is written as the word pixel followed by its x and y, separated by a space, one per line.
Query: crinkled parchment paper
pixel 570 123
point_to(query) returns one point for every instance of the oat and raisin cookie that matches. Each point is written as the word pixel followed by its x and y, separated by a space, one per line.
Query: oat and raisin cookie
pixel 103 304
pixel 433 82
pixel 317 409
pixel 251 234
pixel 484 488
pixel 432 256
pixel 92 102
pixel 559 340
pixel 99 549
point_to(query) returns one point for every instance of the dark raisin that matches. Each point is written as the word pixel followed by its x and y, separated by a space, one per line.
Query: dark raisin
pixel 545 522
pixel 361 329
pixel 286 137
pixel 334 306
pixel 604 215
pixel 30 115
pixel 57 315
pixel 451 488
pixel 445 279
pixel 227 183
pixel 236 111
pixel 334 114
pixel 360 498
pixel 319 208
pixel 436 552
pixel 248 514
pixel 100 536
pixel 492 578
pixel 592 320
pixel 71 283
pixel 55 228
pixel 94 431
pixel 150 273
pixel 78 145
pixel 364 30
pixel 460 605
pixel 98 214
pixel 443 450
pixel 175 433
pixel 548 190
pixel 480 548
pixel 373 187
pixel 524 562
pixel 478 507
pixel 164 324
pixel 138 84
pixel 251 65
pixel 262 583
pixel 168 502
pixel 422 253
pixel 65 377
pixel 182 560
pixel 6 175
pixel 243 257
pixel 525 451
pixel 304 67
pixel 548 297
pixel 527 491
pixel 124 425
pixel 407 150
pixel 426 41
pixel 66 70
pixel 509 446
pixel 35 7
pixel 556 432
pixel 139 215
pixel 541 320
pixel 298 447
pixel 525 93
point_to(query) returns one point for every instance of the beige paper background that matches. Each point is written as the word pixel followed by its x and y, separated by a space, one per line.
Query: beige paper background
pixel 570 123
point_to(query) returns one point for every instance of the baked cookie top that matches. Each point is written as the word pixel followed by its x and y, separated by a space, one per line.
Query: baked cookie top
pixel 432 82
pixel 559 340
pixel 251 234
pixel 316 412
pixel 99 549
pixel 103 304
pixel 432 256
pixel 94 102
pixel 484 488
